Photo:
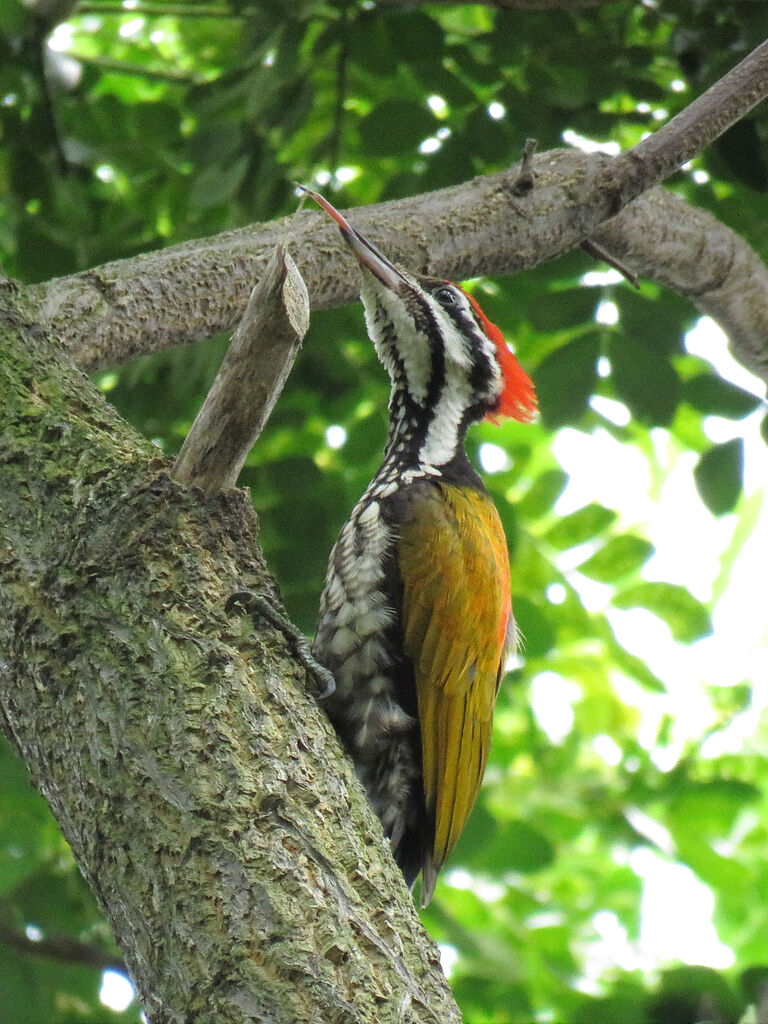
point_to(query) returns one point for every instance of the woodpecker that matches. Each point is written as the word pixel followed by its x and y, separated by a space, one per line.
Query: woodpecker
pixel 415 618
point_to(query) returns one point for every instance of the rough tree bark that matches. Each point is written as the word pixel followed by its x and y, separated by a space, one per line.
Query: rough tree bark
pixel 201 788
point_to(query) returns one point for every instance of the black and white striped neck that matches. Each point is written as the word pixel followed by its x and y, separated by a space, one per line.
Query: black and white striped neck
pixel 430 434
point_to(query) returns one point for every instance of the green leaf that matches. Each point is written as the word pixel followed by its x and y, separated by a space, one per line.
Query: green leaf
pixel 369 40
pixel 488 844
pixel 565 379
pixel 719 476
pixel 717 397
pixel 742 151
pixel 543 493
pixel 580 526
pixel 686 617
pixel 637 669
pixel 527 849
pixel 413 36
pixel 217 184
pixel 644 380
pixel 754 981
pixel 36 990
pixel 13 18
pixel 710 809
pixel 488 139
pixel 563 309
pixel 28 833
pixel 618 557
pixel 396 126
pixel 682 992
pixel 653 324
pixel 537 632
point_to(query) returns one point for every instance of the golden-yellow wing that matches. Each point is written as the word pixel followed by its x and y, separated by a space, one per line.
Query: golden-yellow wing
pixel 457 626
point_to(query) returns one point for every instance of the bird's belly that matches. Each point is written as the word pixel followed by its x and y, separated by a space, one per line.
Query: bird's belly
pixel 357 640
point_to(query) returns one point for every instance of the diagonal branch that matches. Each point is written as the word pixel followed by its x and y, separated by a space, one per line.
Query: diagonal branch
pixel 695 255
pixel 250 379
pixel 189 292
pixel 693 129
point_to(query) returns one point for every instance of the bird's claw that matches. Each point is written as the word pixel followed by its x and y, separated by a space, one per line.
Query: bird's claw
pixel 257 604
pixel 240 598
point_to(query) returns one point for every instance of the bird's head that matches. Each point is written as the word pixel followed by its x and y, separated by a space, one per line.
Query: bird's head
pixel 435 341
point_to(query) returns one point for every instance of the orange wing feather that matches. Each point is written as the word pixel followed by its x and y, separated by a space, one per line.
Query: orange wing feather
pixel 457 627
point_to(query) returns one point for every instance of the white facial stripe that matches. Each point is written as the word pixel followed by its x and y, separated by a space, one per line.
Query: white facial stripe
pixel 413 344
pixel 456 396
pixel 443 431
pixel 456 347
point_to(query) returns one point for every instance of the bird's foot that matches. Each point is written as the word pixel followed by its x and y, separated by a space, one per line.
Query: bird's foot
pixel 257 604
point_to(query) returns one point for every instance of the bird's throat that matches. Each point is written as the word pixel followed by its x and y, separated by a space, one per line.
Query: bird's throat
pixel 426 436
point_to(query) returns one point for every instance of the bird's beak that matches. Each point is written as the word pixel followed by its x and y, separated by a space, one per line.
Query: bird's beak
pixel 366 253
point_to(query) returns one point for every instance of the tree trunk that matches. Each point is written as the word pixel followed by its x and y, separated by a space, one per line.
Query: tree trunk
pixel 199 785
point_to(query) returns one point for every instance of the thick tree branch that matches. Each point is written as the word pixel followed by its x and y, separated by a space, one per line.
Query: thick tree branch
pixel 202 791
pixel 691 252
pixel 190 291
pixel 249 380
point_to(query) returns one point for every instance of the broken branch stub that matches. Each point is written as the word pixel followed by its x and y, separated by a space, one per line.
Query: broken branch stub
pixel 250 379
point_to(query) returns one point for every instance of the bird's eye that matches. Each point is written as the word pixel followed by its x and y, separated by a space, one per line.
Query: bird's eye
pixel 447 296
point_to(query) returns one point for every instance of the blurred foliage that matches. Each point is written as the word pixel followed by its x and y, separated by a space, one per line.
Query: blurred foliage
pixel 125 130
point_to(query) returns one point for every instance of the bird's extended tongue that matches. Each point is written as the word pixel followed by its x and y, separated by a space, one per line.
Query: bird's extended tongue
pixel 366 253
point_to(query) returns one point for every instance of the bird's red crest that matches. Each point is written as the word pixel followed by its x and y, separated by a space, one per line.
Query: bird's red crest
pixel 518 399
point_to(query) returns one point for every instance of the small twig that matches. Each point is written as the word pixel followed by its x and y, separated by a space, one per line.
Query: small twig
pixel 123 67
pixel 63 948
pixel 597 252
pixel 334 146
pixel 523 184
pixel 249 380
pixel 161 10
